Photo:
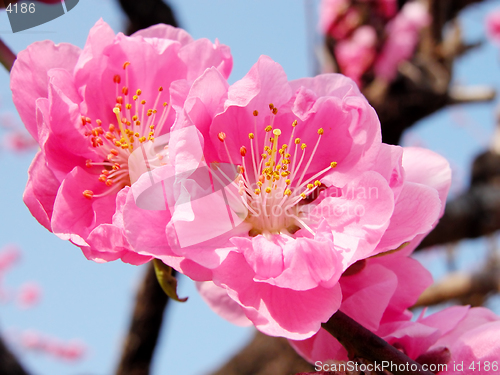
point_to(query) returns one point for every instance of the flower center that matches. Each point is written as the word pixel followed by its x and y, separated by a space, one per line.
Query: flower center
pixel 135 124
pixel 272 184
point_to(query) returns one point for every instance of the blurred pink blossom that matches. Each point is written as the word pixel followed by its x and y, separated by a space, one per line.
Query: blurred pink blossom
pixel 493 26
pixel 356 54
pixel 73 350
pixel 403 36
pixel 19 141
pixel 29 295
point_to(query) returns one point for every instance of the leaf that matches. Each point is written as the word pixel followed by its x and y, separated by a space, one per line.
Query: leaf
pixel 167 282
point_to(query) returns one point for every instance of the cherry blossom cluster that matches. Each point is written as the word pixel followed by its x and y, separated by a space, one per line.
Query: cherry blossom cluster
pixel 371 38
pixel 277 197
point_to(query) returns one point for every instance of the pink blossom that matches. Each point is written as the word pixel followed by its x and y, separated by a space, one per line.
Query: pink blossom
pixel 314 191
pixel 87 109
pixel 356 55
pixel 72 350
pixel 330 11
pixel 9 255
pixel 19 141
pixel 376 295
pixel 493 26
pixel 29 295
pixel 403 36
pixel 386 8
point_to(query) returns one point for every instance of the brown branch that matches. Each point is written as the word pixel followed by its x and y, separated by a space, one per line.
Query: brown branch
pixel 145 13
pixel 7 57
pixel 9 364
pixel 473 214
pixel 362 343
pixel 144 328
pixel 265 355
pixel 465 287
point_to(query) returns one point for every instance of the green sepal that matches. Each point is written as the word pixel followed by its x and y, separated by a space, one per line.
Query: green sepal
pixel 167 282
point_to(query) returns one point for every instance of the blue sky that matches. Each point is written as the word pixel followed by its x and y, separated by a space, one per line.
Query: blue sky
pixel 91 301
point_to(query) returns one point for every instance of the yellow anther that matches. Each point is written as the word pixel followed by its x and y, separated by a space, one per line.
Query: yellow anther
pixel 268 190
pixel 137 134
pixel 317 183
pixel 259 183
pixel 288 182
pixel 287 192
pixel 117 144
pixel 250 136
pixel 88 194
pixel 138 92
pixel 303 146
pixel 294 123
pixel 151 126
pixel 269 128
pixel 264 156
pixel 142 139
pixel 303 195
pixel 135 118
pixel 333 164
pixel 297 141
pixel 135 97
pixel 143 102
pixel 221 136
pixel 257 191
pixel 128 106
pixel 310 186
pixel 288 156
pixel 320 131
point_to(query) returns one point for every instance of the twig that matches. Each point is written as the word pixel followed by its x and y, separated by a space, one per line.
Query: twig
pixel 265 355
pixel 145 13
pixel 7 57
pixel 9 364
pixel 460 286
pixel 145 326
pixel 362 343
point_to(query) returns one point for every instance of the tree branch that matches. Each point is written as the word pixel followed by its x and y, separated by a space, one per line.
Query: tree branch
pixel 265 355
pixel 145 13
pixel 8 363
pixel 7 57
pixel 144 328
pixel 460 286
pixel 473 214
pixel 362 343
